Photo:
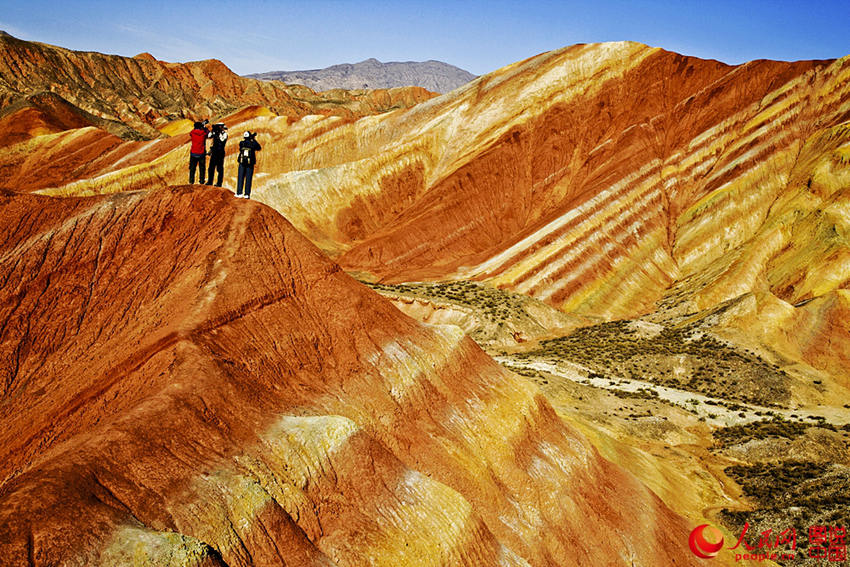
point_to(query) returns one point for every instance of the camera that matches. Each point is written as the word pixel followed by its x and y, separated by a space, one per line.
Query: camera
pixel 206 121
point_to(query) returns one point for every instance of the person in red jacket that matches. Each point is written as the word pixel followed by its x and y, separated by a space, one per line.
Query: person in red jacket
pixel 198 152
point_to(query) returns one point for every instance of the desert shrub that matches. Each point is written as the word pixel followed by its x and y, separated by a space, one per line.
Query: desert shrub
pixel 766 428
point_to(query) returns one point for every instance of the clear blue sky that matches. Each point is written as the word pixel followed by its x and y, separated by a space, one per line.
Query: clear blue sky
pixel 480 36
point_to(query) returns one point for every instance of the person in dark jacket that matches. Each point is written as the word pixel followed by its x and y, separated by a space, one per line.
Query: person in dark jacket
pixel 198 151
pixel 248 149
pixel 219 139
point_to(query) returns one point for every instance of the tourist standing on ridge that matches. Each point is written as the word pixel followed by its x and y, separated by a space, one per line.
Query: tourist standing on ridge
pixel 219 138
pixel 248 149
pixel 197 153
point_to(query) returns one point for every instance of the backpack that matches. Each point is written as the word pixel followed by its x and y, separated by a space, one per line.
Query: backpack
pixel 247 156
pixel 218 142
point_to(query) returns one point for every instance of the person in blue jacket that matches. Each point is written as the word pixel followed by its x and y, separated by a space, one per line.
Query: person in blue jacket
pixel 247 158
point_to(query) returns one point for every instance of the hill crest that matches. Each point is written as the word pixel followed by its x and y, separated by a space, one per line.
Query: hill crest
pixel 182 369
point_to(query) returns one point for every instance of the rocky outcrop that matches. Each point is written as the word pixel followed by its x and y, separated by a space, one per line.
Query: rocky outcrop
pixel 143 93
pixel 185 380
pixel 48 113
pixel 434 76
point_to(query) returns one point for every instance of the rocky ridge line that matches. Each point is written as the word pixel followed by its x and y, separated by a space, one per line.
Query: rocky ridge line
pixel 434 76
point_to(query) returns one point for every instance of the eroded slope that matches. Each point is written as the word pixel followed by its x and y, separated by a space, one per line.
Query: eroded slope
pixel 186 380
pixel 593 178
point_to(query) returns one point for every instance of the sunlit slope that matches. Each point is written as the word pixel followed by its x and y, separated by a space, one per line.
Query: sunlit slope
pixel 186 380
pixel 812 339
pixel 594 178
pixel 732 195
pixel 622 191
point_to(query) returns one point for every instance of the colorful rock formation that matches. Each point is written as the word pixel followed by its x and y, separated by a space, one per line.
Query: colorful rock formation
pixel 186 380
pixel 134 97
pixel 609 181
pixel 595 178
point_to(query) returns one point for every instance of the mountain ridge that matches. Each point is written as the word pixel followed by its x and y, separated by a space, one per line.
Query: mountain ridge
pixel 435 76
pixel 144 93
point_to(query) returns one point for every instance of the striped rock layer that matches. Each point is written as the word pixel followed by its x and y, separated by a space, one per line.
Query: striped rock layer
pixel 596 179
pixel 607 180
pixel 133 97
pixel 186 380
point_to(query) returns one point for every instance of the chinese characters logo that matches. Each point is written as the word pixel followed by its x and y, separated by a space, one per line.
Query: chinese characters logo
pixel 825 542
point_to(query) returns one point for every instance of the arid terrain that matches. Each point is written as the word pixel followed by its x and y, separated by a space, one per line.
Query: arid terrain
pixel 558 316
pixel 434 76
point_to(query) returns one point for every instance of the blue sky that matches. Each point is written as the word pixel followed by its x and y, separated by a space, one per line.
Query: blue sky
pixel 265 35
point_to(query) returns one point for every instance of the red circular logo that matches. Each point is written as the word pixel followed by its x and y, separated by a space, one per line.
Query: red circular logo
pixel 701 546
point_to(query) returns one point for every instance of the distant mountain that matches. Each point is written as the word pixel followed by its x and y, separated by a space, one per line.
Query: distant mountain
pixel 435 76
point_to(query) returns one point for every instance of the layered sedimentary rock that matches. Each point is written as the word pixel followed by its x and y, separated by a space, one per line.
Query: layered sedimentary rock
pixel 706 201
pixel 48 113
pixel 608 180
pixel 137 95
pixel 61 121
pixel 84 153
pixel 593 178
pixel 186 380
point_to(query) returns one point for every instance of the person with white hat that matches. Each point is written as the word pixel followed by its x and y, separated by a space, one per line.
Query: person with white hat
pixel 248 149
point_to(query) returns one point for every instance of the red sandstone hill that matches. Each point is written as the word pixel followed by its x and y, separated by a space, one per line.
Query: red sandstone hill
pixel 594 178
pixel 608 180
pixel 598 178
pixel 48 113
pixel 186 380
pixel 143 93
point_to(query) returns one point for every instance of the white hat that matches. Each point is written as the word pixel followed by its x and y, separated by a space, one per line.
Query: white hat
pixel 246 134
